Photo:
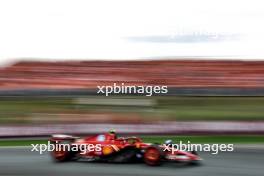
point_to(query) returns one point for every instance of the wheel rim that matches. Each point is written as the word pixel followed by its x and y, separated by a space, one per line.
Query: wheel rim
pixel 152 155
pixel 59 154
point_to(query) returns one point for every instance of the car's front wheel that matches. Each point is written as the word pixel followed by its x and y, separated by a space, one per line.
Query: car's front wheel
pixel 153 155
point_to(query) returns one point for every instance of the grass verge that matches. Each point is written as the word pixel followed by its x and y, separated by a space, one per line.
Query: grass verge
pixel 238 139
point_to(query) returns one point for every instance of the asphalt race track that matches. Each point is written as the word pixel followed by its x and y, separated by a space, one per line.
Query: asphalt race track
pixel 23 162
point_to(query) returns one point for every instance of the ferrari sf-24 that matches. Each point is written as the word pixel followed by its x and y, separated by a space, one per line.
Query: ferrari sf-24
pixel 110 148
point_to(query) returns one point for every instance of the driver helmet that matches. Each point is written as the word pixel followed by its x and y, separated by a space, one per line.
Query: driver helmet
pixel 168 142
pixel 112 131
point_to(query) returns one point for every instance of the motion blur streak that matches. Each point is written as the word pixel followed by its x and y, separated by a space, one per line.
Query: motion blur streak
pixel 65 92
pixel 204 97
pixel 243 162
pixel 172 73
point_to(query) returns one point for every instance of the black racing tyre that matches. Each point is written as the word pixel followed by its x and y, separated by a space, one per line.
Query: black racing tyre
pixel 61 155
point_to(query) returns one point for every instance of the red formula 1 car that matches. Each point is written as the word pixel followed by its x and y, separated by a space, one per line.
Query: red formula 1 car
pixel 108 148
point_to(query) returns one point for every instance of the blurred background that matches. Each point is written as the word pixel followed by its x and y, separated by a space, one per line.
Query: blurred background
pixel 208 101
pixel 204 97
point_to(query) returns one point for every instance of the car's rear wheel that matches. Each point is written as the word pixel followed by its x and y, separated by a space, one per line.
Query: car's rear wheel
pixel 153 156
pixel 59 154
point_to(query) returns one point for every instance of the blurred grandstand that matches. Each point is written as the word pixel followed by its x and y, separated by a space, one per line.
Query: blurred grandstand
pixel 173 73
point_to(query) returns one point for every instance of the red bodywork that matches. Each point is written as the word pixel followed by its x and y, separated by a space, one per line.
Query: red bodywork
pixel 104 145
